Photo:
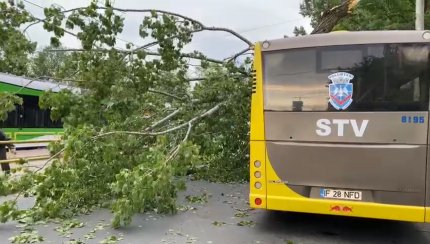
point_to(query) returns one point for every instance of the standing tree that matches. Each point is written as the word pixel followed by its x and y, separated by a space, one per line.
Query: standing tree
pixel 325 14
pixel 14 46
pixel 299 31
pixel 398 15
pixel 47 63
pixel 14 50
pixel 361 15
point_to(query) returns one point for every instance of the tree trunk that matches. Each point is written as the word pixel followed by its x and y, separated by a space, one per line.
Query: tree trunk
pixel 331 17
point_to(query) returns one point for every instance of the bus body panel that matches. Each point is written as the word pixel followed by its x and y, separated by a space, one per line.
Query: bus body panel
pixel 257 114
pixel 259 154
pixel 427 215
pixel 381 151
pixel 391 173
pixel 257 134
pixel 427 203
pixel 347 127
pixel 379 173
pixel 282 197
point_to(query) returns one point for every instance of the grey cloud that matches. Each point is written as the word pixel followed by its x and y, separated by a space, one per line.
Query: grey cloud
pixel 258 20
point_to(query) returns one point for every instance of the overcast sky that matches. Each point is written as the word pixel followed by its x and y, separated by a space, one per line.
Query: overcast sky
pixel 255 19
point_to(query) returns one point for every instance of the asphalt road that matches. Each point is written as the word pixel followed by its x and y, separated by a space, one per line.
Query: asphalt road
pixel 225 218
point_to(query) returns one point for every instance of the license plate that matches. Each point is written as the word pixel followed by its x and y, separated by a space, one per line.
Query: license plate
pixel 341 194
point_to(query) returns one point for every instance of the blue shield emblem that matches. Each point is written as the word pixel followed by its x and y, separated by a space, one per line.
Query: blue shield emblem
pixel 340 91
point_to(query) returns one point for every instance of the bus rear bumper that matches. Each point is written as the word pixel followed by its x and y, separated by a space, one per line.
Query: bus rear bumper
pixel 427 218
pixel 349 208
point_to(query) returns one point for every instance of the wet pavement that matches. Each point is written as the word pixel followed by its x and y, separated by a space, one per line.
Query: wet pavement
pixel 225 218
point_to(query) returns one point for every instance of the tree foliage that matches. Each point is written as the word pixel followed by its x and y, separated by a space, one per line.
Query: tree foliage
pixel 326 14
pixel 314 9
pixel 14 46
pixel 398 15
pixel 299 31
pixel 134 123
pixel 367 14
pixel 51 64
pixel 221 139
pixel 7 104
pixel 15 49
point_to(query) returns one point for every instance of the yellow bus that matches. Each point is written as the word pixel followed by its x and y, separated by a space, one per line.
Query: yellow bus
pixel 340 125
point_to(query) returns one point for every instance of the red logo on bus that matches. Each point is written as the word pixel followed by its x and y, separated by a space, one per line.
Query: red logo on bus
pixel 337 208
pixel 347 209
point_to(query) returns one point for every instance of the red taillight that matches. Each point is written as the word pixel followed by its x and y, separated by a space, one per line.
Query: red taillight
pixel 258 201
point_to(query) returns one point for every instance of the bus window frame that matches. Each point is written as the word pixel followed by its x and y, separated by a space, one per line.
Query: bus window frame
pixel 363 48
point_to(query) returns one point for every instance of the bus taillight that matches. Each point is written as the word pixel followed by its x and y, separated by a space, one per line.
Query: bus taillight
pixel 258 201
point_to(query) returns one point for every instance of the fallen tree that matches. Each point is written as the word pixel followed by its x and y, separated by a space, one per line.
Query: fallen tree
pixel 138 123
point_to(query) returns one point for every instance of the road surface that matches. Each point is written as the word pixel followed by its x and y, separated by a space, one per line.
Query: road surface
pixel 225 218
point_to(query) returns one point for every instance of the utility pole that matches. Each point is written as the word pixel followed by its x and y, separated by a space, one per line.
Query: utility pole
pixel 419 15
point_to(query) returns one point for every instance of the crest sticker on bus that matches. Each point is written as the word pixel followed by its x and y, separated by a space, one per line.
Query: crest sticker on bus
pixel 340 90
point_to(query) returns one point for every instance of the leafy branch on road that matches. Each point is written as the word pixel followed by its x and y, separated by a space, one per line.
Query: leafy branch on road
pixel 135 121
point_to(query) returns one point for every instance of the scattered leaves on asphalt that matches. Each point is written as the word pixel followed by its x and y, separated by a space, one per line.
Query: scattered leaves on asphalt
pixel 111 240
pixel 184 208
pixel 218 223
pixel 201 199
pixel 90 235
pixel 241 214
pixel 73 241
pixel 27 236
pixel 246 223
pixel 64 229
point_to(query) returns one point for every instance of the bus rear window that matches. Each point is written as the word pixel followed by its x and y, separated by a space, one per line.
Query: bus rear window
pixel 386 77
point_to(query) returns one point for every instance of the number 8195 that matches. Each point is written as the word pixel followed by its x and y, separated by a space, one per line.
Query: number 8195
pixel 413 119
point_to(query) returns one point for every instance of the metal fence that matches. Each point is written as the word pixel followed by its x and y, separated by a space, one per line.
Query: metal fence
pixel 31 158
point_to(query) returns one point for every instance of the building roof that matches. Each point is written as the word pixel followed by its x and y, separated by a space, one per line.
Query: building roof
pixel 34 84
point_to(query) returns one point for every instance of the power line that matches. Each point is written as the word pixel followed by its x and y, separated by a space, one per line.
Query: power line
pixel 34 4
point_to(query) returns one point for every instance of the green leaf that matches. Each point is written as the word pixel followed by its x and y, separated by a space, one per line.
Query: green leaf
pixel 55 42
pixel 246 223
pixel 217 223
